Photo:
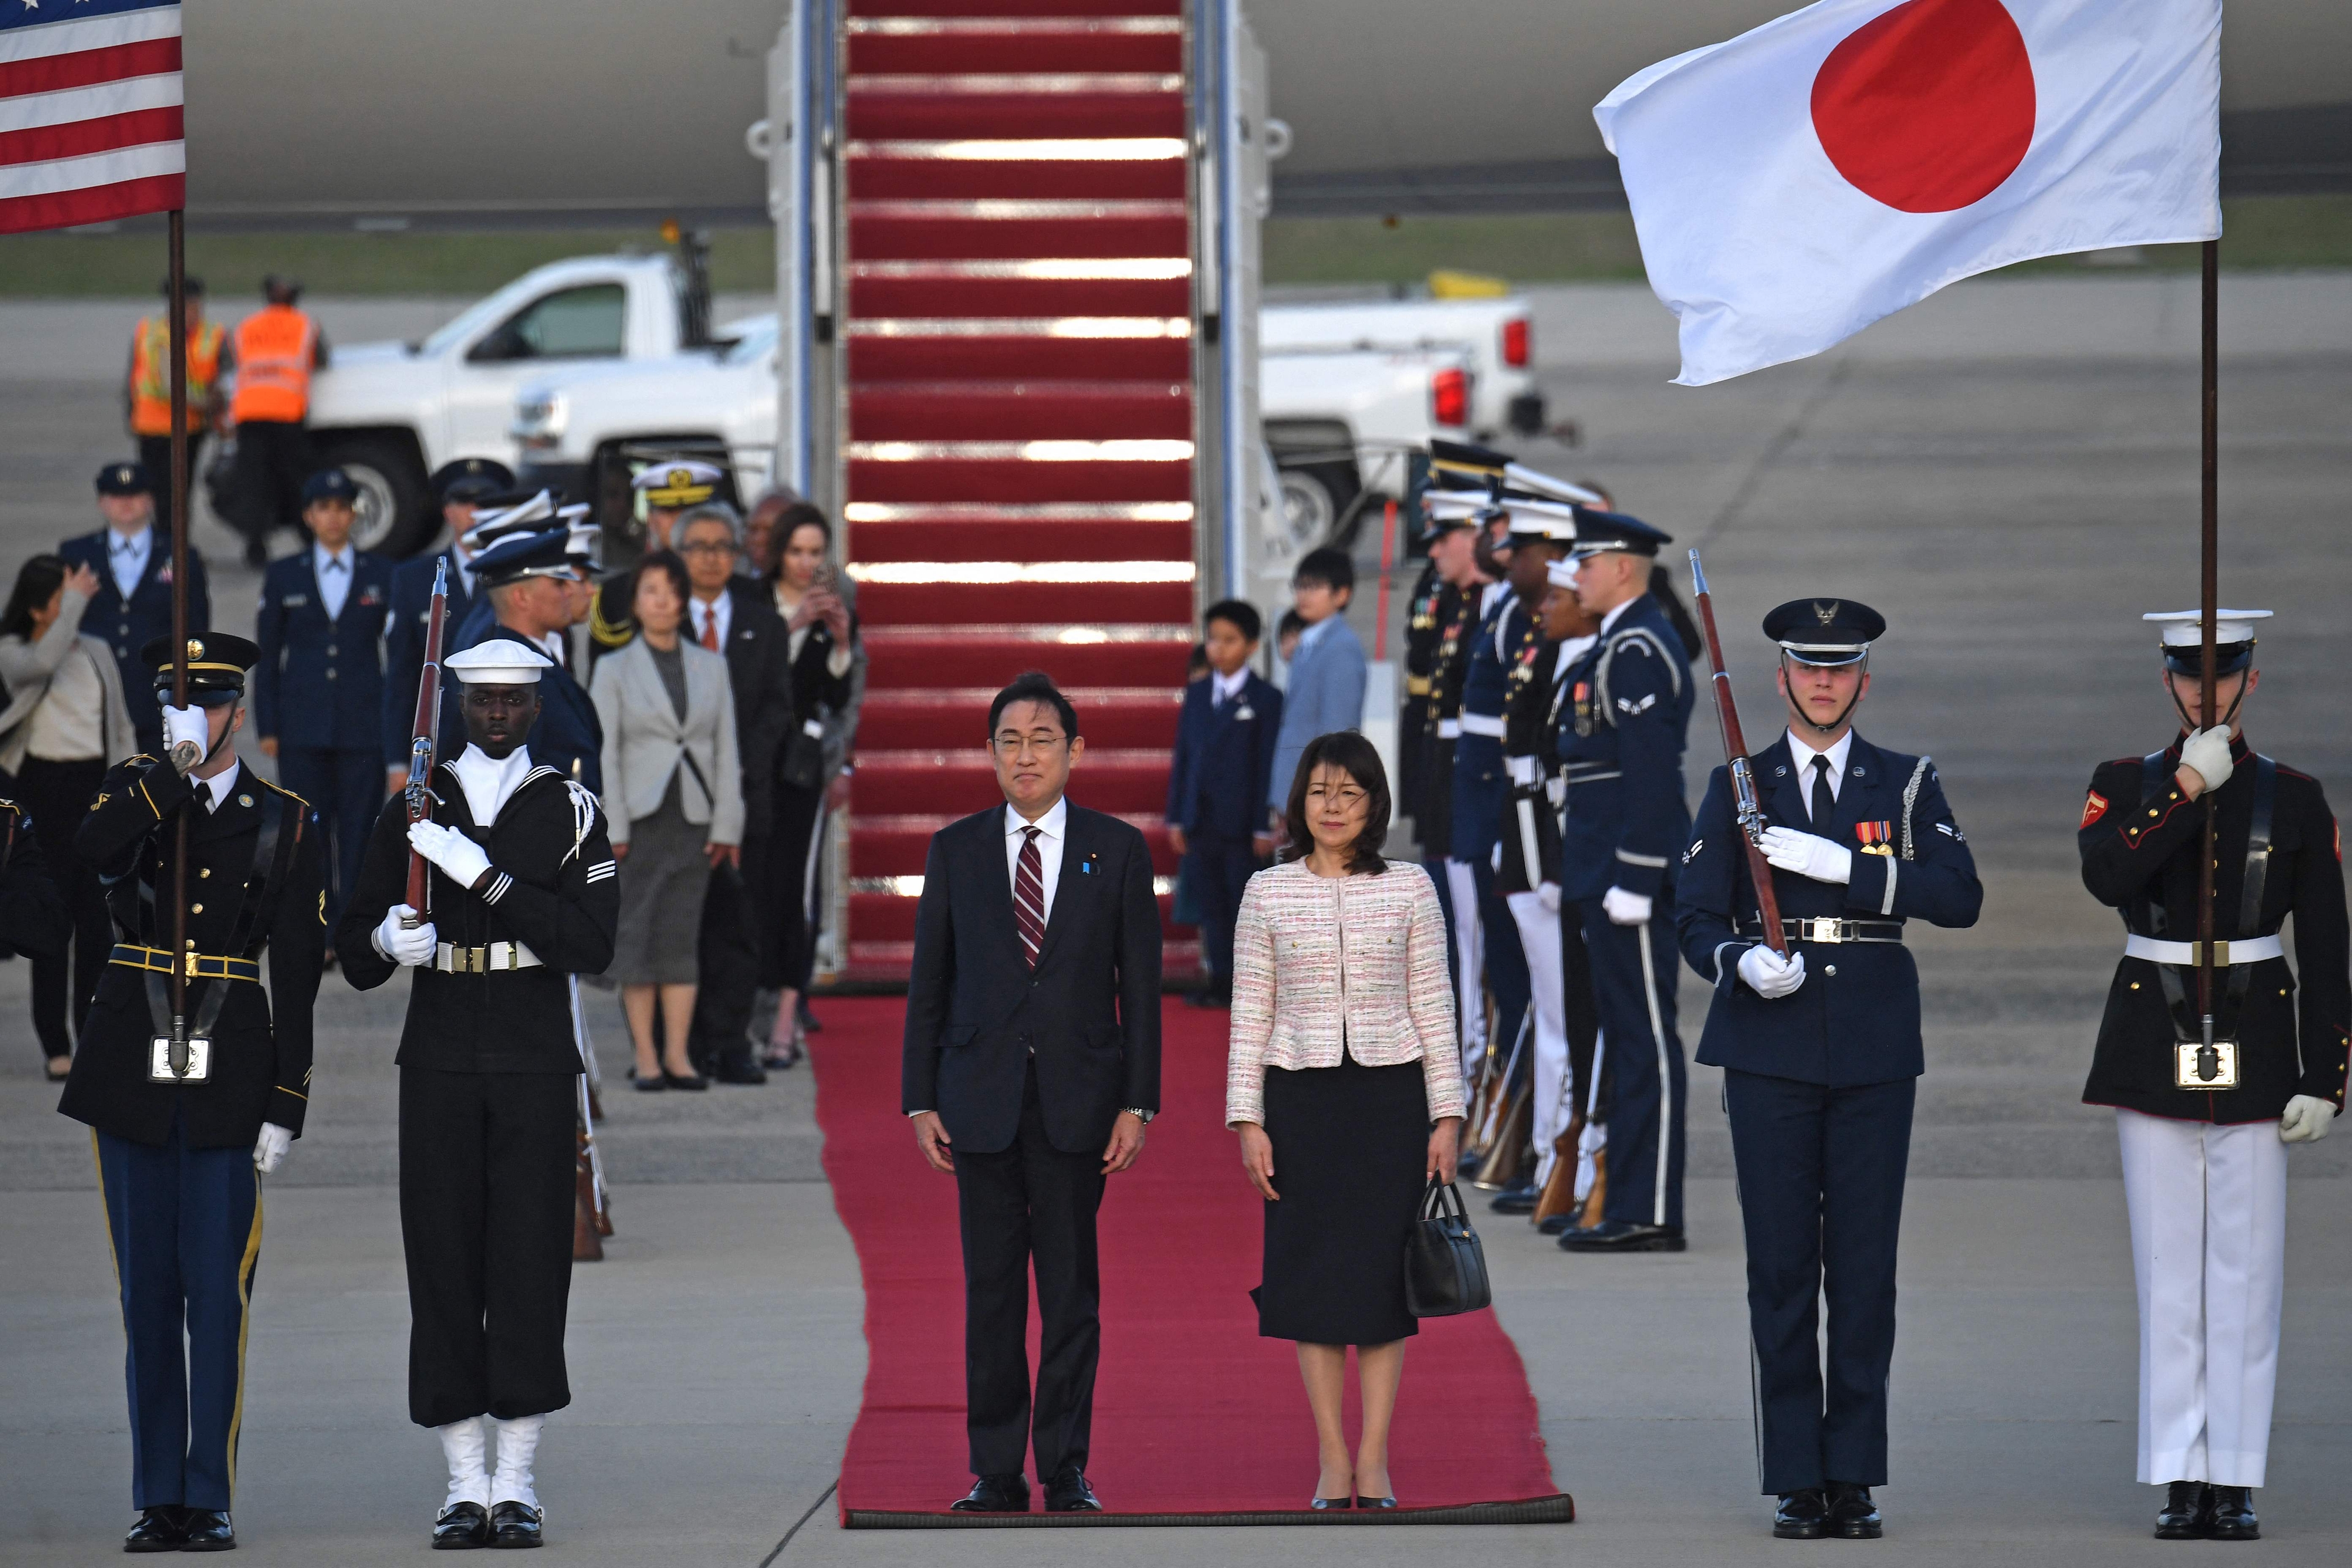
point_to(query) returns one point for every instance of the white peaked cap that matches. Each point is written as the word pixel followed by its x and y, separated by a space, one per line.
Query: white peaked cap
pixel 499 662
pixel 1548 519
pixel 2186 628
pixel 1521 477
pixel 1450 506
pixel 490 525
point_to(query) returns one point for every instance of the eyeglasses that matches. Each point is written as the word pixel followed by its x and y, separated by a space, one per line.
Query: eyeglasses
pixel 1041 743
pixel 708 546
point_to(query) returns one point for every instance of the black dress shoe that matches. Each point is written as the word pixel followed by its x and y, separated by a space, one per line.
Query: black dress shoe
pixel 1852 1515
pixel 653 1085
pixel 158 1530
pixel 995 1494
pixel 1556 1223
pixel 208 1530
pixel 1516 1200
pixel 2231 1514
pixel 1322 1504
pixel 694 1080
pixel 2187 1513
pixel 1624 1236
pixel 1068 1492
pixel 1801 1516
pixel 1376 1503
pixel 738 1071
pixel 462 1527
pixel 518 1524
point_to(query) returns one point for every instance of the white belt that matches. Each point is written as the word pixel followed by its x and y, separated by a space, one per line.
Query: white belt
pixel 497 956
pixel 1449 729
pixel 2248 950
pixel 1482 723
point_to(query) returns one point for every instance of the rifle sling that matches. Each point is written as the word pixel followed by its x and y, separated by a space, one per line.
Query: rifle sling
pixel 273 856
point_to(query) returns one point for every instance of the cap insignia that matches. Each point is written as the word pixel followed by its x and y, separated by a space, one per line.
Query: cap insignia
pixel 1826 613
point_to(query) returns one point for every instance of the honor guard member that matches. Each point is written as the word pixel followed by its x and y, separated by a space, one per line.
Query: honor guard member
pixel 1449 534
pixel 318 690
pixel 1570 631
pixel 521 895
pixel 2204 1132
pixel 180 1134
pixel 1625 823
pixel 1423 614
pixel 527 595
pixel 132 559
pixel 666 486
pixel 462 488
pixel 1821 1052
pixel 1461 558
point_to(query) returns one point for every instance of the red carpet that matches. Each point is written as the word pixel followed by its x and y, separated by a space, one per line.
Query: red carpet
pixel 1194 1413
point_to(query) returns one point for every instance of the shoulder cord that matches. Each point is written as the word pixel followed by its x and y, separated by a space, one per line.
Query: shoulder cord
pixel 1911 799
pixel 1608 655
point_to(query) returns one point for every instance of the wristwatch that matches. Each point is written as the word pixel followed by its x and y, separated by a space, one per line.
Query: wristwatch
pixel 1139 1113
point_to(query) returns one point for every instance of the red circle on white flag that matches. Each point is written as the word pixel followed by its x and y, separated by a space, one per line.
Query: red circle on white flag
pixel 1927 107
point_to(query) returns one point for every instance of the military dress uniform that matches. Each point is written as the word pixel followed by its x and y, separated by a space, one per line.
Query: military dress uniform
pixel 1487 940
pixel 1819 1081
pixel 2205 1158
pixel 133 603
pixel 177 1159
pixel 461 486
pixel 667 487
pixel 1623 825
pixel 1426 610
pixel 568 738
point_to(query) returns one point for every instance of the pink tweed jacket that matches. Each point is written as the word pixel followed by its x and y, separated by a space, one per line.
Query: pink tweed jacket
pixel 1322 960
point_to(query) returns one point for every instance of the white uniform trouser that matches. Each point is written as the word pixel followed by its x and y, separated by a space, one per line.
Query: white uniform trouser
pixel 1469 960
pixel 1539 936
pixel 2209 1252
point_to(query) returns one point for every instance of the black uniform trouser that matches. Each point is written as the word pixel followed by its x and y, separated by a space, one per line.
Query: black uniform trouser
pixel 155 454
pixel 1821 1198
pixel 486 1198
pixel 1634 978
pixel 1220 868
pixel 345 785
pixel 57 796
pixel 1029 1204
pixel 727 968
pixel 273 459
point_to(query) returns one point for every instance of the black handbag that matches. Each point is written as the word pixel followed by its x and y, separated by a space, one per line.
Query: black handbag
pixel 1445 1265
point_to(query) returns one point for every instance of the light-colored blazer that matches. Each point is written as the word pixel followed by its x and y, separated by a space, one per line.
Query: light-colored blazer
pixel 644 739
pixel 26 668
pixel 1326 964
pixel 1325 695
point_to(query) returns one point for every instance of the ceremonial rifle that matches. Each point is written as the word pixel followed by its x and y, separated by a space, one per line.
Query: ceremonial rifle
pixel 427 738
pixel 1749 815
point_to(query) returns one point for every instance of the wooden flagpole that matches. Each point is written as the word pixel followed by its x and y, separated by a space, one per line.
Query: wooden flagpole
pixel 2209 608
pixel 178 491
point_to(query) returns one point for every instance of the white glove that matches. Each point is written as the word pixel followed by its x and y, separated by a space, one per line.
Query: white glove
pixel 461 859
pixel 1768 973
pixel 401 945
pixel 269 1149
pixel 1808 854
pixel 2307 1120
pixel 2207 752
pixel 1625 907
pixel 186 726
pixel 1547 895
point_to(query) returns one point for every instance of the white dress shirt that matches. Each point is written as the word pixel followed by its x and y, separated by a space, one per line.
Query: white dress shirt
pixel 333 570
pixel 1224 689
pixel 126 558
pixel 489 781
pixel 1053 828
pixel 1801 758
pixel 220 786
pixel 721 609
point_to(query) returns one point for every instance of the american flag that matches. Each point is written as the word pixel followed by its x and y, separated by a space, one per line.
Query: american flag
pixel 90 111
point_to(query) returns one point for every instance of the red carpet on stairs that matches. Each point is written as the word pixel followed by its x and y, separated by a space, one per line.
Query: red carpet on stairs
pixel 1194 1413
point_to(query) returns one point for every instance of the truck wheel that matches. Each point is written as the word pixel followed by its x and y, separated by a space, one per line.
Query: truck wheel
pixel 395 517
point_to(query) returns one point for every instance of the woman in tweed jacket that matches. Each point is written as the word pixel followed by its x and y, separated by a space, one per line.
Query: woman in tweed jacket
pixel 1343 1079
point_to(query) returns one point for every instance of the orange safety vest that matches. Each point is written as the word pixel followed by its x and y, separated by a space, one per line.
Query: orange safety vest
pixel 150 374
pixel 275 345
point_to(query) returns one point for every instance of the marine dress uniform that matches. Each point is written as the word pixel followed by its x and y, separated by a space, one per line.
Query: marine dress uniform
pixel 1438 726
pixel 177 1155
pixel 1625 824
pixel 2205 1138
pixel 1422 627
pixel 133 603
pixel 522 895
pixel 1820 1065
pixel 318 690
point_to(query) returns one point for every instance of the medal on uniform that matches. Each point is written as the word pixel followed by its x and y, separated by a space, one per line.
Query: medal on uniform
pixel 1582 696
pixel 1876 838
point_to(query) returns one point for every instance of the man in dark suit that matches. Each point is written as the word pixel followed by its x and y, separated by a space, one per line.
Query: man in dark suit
pixel 1821 1053
pixel 133 562
pixel 1217 784
pixel 318 692
pixel 1031 1066
pixel 463 485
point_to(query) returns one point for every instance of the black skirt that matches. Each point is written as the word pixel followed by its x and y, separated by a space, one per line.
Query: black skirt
pixel 1351 1146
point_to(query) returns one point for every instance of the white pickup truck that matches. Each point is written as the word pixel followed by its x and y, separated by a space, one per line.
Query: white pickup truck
pixel 391 413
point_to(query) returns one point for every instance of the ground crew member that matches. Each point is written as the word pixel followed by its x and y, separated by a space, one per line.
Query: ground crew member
pixel 522 895
pixel 463 487
pixel 132 558
pixel 277 346
pixel 147 393
pixel 668 486
pixel 179 1140
pixel 2205 1133
pixel 527 581
pixel 318 692
pixel 1625 824
pixel 1821 1052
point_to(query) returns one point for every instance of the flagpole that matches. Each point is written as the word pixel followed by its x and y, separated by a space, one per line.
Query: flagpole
pixel 2209 608
pixel 178 492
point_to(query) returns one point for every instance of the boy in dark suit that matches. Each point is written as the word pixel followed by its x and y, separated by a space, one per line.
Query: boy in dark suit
pixel 1223 768
pixel 132 558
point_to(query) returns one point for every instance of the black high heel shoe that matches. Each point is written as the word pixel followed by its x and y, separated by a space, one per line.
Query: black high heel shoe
pixel 1322 1503
pixel 1376 1503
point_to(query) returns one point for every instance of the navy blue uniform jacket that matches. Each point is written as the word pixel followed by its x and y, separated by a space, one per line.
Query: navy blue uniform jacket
pixel 404 644
pixel 129 627
pixel 1860 1025
pixel 568 738
pixel 319 682
pixel 1620 745
pixel 1224 758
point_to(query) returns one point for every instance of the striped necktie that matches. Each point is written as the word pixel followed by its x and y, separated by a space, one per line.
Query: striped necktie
pixel 1029 896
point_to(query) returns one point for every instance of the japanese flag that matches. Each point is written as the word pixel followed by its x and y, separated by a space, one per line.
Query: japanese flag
pixel 1798 183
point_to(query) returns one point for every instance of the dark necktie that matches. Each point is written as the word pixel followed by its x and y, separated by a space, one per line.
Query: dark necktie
pixel 1029 896
pixel 1824 803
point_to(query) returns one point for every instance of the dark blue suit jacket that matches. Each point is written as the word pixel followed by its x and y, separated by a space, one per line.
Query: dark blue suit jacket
pixel 319 682
pixel 404 643
pixel 128 628
pixel 1620 743
pixel 1860 1025
pixel 1223 766
pixel 568 738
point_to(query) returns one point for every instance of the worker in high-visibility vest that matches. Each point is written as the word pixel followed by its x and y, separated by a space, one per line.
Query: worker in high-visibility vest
pixel 147 392
pixel 277 346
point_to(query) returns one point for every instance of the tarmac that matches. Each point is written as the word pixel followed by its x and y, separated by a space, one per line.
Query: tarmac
pixel 2009 472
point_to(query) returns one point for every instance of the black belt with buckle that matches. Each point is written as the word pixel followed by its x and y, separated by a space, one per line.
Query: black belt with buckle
pixel 1802 928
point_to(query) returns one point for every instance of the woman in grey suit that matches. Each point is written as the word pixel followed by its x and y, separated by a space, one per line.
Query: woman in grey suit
pixel 674 798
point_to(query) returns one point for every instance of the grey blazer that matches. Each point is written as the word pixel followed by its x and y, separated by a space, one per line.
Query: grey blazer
pixel 26 668
pixel 644 739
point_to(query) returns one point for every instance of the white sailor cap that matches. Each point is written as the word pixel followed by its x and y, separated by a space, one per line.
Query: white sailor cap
pixel 675 482
pixel 499 662
pixel 496 523
pixel 2183 639
pixel 1562 573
